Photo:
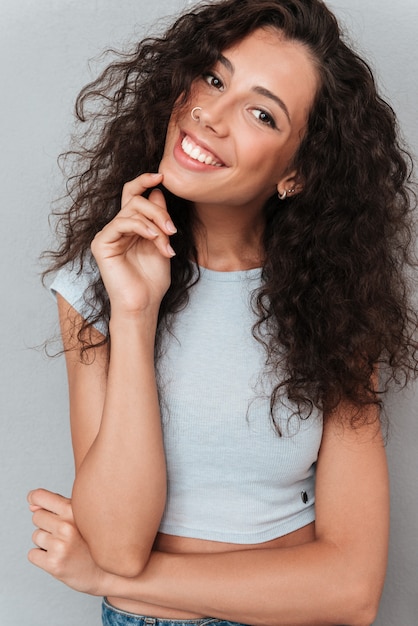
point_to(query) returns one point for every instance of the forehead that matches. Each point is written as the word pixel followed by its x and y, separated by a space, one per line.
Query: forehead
pixel 265 58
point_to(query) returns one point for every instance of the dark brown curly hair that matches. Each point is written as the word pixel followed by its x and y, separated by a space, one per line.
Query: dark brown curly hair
pixel 334 301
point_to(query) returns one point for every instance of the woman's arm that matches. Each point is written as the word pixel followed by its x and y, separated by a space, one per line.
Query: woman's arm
pixel 119 488
pixel 337 579
pixel 120 485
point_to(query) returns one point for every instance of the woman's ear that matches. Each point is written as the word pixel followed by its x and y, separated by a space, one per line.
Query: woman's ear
pixel 289 186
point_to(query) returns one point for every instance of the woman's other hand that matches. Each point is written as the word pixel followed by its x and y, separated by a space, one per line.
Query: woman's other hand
pixel 133 250
pixel 61 551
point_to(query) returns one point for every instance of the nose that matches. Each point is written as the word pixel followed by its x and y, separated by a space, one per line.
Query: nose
pixel 213 116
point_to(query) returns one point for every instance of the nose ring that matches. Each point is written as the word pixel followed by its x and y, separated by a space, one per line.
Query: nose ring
pixel 192 113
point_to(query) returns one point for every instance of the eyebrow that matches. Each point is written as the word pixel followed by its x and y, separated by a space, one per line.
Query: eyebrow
pixel 262 91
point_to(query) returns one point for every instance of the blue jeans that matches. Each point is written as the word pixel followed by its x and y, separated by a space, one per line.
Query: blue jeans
pixel 111 616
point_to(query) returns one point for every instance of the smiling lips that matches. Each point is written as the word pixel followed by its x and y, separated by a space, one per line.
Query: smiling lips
pixel 198 154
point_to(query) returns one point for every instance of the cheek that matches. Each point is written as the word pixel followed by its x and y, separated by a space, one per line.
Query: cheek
pixel 283 158
pixel 169 137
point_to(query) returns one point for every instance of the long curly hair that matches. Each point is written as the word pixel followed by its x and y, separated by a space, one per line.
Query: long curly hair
pixel 334 301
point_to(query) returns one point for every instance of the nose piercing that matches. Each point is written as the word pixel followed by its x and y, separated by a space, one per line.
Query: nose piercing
pixel 192 113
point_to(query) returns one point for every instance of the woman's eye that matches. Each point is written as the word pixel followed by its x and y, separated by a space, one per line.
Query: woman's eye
pixel 264 117
pixel 213 81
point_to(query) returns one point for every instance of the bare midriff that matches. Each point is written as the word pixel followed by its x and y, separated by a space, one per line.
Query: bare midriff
pixel 185 545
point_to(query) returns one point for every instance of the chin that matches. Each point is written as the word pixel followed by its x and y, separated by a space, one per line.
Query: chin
pixel 175 184
pixel 174 187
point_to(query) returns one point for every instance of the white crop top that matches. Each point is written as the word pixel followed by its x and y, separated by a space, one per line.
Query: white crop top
pixel 231 478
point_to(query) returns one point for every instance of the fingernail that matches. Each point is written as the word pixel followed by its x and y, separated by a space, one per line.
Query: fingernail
pixel 170 226
pixel 155 175
pixel 170 250
pixel 152 231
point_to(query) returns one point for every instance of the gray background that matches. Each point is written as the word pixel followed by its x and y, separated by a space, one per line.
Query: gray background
pixel 45 46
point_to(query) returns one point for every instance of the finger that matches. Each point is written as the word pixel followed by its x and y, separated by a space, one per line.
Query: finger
pixel 164 221
pixel 41 538
pixel 51 522
pixel 123 226
pixel 38 557
pixel 157 197
pixel 144 216
pixel 159 222
pixel 50 501
pixel 153 208
pixel 47 561
pixel 33 508
pixel 138 185
pixel 118 236
pixel 114 238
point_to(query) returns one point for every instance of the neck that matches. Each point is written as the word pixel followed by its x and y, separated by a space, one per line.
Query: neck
pixel 229 239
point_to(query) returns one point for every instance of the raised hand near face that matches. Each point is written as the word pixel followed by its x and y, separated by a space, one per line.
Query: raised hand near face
pixel 133 250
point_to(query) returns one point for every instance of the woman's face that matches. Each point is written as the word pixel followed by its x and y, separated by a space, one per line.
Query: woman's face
pixel 254 108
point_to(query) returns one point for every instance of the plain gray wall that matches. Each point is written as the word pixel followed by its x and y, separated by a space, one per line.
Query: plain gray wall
pixel 45 46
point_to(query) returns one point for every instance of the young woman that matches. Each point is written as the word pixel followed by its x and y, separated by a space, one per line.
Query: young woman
pixel 231 281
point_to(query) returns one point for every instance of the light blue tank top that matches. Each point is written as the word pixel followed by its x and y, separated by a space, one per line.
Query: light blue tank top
pixel 231 477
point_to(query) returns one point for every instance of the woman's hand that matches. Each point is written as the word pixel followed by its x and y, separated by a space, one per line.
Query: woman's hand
pixel 133 250
pixel 61 551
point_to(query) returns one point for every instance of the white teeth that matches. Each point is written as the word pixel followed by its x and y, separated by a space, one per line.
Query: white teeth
pixel 194 152
pixel 187 147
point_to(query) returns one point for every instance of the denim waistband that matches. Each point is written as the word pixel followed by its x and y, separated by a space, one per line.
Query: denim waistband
pixel 112 616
